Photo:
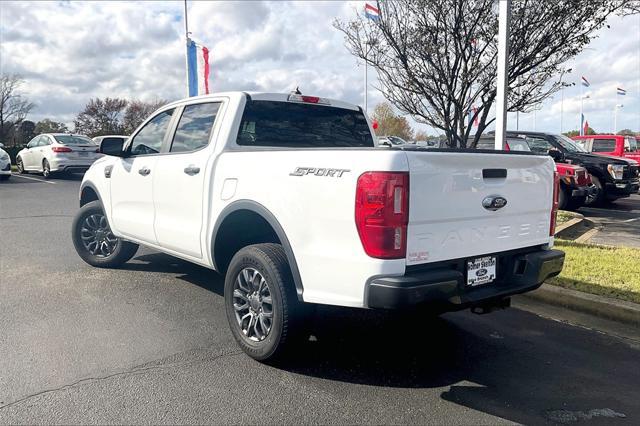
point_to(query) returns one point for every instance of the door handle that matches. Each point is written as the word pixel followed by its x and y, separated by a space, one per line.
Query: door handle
pixel 144 171
pixel 192 170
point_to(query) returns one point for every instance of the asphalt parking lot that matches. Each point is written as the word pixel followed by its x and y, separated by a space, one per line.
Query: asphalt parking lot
pixel 149 343
pixel 619 222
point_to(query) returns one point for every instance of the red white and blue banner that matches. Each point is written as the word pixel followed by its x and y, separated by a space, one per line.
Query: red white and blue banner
pixel 197 68
pixel 371 12
pixel 620 91
pixel 585 82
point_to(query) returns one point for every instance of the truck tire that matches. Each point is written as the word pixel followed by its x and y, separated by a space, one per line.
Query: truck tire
pixel 596 199
pixel 563 198
pixel 94 241
pixel 263 311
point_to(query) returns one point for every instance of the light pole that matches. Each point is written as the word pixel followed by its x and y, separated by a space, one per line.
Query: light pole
pixel 581 121
pixel 369 43
pixel 615 117
pixel 504 16
pixel 562 99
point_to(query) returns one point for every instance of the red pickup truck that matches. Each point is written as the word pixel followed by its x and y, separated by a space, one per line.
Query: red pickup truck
pixel 612 145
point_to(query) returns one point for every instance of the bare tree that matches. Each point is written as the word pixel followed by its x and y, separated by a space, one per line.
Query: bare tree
pixel 101 117
pixel 436 59
pixel 14 107
pixel 137 111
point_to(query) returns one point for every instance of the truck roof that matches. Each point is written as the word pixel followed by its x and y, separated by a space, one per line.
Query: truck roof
pixel 266 96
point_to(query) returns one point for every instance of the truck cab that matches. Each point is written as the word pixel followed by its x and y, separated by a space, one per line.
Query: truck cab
pixel 612 145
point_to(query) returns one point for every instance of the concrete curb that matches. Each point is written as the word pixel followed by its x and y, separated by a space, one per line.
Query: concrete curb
pixel 570 224
pixel 599 306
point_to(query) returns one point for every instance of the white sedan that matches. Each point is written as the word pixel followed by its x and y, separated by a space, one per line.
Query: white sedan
pixel 56 152
pixel 5 164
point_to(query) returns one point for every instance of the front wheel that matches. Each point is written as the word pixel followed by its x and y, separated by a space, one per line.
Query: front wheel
pixel 596 195
pixel 260 301
pixel 94 241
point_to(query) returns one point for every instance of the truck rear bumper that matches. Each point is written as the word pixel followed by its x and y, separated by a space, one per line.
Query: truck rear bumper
pixel 445 284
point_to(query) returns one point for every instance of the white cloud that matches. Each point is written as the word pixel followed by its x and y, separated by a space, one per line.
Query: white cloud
pixel 69 52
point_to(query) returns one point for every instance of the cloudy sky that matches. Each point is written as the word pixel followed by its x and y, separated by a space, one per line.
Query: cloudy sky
pixel 69 52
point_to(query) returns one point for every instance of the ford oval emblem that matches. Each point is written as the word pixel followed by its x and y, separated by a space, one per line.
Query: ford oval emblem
pixel 481 272
pixel 494 202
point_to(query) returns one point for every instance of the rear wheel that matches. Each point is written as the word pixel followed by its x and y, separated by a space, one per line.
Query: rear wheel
pixel 46 169
pixel 94 241
pixel 20 165
pixel 562 198
pixel 260 301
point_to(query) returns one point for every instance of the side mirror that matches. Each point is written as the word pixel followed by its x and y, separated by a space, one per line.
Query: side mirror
pixel 112 147
pixel 557 156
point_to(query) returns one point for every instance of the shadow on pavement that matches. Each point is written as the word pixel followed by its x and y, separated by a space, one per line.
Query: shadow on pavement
pixel 510 364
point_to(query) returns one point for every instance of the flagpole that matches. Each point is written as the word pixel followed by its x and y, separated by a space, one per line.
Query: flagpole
pixel 581 104
pixel 186 44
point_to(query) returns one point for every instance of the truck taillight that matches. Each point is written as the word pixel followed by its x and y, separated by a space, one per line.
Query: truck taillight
pixel 554 208
pixel 382 213
pixel 61 149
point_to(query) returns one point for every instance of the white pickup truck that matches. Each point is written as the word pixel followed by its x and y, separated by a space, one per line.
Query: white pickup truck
pixel 289 196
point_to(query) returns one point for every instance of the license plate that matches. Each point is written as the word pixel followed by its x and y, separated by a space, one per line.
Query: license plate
pixel 83 154
pixel 481 271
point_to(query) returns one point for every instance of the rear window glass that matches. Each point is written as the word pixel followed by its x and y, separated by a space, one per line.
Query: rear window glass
pixel 296 125
pixel 73 140
pixel 114 139
pixel 603 145
pixel 518 145
pixel 485 144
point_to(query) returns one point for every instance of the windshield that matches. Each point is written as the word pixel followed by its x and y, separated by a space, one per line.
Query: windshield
pixel 74 140
pixel 396 140
pixel 569 144
pixel 297 125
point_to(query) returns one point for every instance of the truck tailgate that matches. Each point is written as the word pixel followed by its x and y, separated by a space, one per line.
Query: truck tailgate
pixel 447 219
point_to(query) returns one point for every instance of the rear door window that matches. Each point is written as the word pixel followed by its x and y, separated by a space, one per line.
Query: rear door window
pixel 630 145
pixel 194 128
pixel 298 125
pixel 603 145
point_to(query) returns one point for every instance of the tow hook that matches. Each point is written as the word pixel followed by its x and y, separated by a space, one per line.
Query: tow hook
pixel 492 306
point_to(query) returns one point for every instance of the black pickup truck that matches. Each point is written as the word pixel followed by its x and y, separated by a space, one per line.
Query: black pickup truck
pixel 613 178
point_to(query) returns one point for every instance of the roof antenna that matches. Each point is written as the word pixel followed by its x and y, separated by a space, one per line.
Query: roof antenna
pixel 297 91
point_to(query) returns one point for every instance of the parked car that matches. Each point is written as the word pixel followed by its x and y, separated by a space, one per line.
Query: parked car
pixel 613 145
pixel 56 152
pixel 613 178
pixel 98 139
pixel 391 141
pixel 288 196
pixel 5 164
pixel 575 181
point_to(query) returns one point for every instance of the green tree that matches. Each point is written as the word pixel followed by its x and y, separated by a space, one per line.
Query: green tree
pixel 627 132
pixel 49 126
pixel 572 133
pixel 390 123
pixel 101 117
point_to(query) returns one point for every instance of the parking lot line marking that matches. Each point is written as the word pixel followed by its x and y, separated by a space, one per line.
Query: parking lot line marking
pixel 32 178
